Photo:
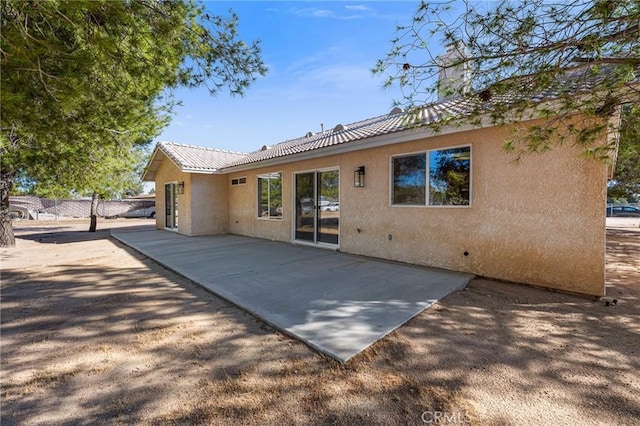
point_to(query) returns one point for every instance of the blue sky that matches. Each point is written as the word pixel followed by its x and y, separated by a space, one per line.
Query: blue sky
pixel 319 56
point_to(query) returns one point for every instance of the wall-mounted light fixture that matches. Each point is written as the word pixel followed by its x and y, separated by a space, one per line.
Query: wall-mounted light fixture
pixel 358 177
pixel 181 187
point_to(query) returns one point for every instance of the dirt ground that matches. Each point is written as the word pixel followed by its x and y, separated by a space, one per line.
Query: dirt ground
pixel 94 332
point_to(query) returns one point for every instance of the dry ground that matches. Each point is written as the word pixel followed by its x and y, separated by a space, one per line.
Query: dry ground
pixel 93 332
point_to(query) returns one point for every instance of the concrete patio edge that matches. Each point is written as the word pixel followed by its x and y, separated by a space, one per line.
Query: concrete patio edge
pixel 339 320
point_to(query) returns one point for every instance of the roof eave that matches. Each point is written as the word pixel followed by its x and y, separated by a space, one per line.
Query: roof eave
pixel 148 173
pixel 406 135
pixel 201 171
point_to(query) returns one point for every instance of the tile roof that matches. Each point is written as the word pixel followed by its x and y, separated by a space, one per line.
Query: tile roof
pixel 395 121
pixel 192 158
pixel 208 160
pixel 189 158
pixel 198 158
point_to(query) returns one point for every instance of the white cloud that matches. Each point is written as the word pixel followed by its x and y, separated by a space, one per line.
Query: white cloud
pixel 359 7
pixel 330 82
pixel 326 55
pixel 347 12
pixel 342 76
pixel 323 13
pixel 313 12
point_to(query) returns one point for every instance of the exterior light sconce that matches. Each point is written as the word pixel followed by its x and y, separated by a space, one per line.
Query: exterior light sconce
pixel 181 187
pixel 358 177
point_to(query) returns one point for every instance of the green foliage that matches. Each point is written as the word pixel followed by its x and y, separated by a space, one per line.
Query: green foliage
pixel 529 59
pixel 409 179
pixel 450 177
pixel 270 192
pixel 625 185
pixel 330 185
pixel 86 83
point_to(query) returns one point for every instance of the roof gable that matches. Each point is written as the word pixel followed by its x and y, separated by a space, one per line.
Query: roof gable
pixel 190 158
pixel 198 158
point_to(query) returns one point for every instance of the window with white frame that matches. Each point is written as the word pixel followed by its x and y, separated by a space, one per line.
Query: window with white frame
pixel 409 179
pixel 439 177
pixel 270 196
pixel 239 181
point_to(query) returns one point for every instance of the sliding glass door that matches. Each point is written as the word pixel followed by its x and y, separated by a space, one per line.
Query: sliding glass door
pixel 317 207
pixel 171 205
pixel 305 207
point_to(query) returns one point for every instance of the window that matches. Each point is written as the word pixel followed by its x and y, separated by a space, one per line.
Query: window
pixel 449 177
pixel 448 174
pixel 270 196
pixel 409 179
pixel 239 181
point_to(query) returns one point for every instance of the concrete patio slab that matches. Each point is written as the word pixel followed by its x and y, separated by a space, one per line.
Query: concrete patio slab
pixel 337 303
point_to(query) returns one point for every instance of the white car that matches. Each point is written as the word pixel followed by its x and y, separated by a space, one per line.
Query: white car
pixel 149 212
pixel 333 207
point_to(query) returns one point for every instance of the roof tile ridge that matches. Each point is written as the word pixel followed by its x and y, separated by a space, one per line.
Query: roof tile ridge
pixel 326 133
pixel 206 148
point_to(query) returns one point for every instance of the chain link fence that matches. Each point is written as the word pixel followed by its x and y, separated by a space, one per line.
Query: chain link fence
pixel 31 206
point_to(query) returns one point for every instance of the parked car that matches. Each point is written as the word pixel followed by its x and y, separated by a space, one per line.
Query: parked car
pixel 42 215
pixel 623 211
pixel 334 207
pixel 149 212
pixel 18 212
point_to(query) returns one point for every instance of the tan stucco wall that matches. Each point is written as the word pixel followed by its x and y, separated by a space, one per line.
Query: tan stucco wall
pixel 539 222
pixel 168 172
pixel 209 204
pixel 243 206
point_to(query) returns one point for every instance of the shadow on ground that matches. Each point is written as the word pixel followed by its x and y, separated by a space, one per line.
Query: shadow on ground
pixel 120 339
pixel 62 234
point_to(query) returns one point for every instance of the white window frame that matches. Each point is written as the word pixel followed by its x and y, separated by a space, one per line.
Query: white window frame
pixel 268 176
pixel 427 178
pixel 176 206
pixel 293 207
pixel 238 181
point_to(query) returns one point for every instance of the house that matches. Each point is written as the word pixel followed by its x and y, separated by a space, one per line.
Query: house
pixel 379 188
pixel 387 188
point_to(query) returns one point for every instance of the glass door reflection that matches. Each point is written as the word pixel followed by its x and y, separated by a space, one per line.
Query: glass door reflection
pixel 317 205
pixel 329 207
pixel 305 207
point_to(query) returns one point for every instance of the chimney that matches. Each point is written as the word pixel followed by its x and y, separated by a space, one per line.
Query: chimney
pixel 454 79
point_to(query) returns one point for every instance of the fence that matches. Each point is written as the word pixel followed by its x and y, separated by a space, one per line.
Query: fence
pixel 77 208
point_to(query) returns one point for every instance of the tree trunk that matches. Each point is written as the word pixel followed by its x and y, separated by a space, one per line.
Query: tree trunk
pixel 7 239
pixel 94 212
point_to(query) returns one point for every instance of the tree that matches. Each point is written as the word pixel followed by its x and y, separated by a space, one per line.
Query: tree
pixel 534 58
pixel 449 178
pixel 626 179
pixel 86 82
pixel 112 175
